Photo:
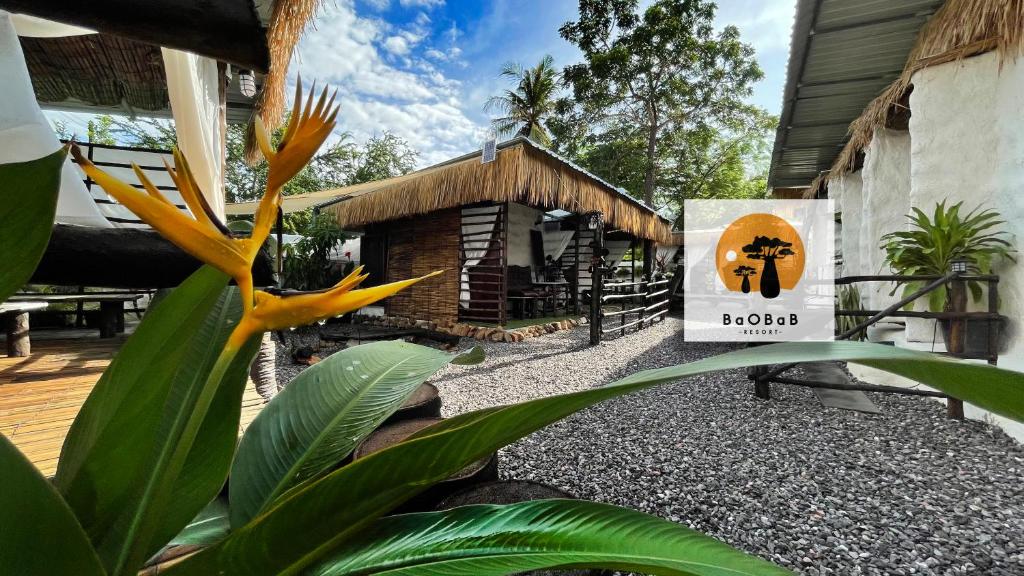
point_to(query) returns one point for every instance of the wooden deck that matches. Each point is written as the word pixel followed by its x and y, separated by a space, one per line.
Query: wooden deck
pixel 40 395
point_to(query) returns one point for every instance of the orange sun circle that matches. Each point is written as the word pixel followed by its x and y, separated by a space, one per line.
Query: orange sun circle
pixel 730 256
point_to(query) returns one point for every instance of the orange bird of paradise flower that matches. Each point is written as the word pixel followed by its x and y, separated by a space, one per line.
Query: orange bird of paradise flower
pixel 203 235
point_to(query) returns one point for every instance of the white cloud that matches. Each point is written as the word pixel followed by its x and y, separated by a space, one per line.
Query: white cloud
pixel 421 3
pixel 383 85
pixel 397 45
pixel 766 25
pixel 379 4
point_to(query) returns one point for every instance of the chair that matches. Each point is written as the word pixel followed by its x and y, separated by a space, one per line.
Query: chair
pixel 521 291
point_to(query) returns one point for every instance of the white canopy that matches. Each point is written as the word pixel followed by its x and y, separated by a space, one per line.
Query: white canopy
pixel 25 133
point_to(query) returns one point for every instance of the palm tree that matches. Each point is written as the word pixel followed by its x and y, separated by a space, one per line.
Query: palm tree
pixel 525 107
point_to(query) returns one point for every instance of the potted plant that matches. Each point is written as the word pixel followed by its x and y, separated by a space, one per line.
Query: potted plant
pixel 848 298
pixel 932 246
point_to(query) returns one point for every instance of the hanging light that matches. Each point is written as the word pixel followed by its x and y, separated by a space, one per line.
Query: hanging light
pixel 593 220
pixel 247 83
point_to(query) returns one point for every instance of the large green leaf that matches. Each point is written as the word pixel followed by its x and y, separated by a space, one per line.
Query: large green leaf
pixel 38 532
pixel 495 540
pixel 301 529
pixel 209 526
pixel 28 202
pixel 320 417
pixel 115 471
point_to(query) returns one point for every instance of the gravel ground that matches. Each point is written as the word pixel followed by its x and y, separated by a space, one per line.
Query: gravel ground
pixel 819 490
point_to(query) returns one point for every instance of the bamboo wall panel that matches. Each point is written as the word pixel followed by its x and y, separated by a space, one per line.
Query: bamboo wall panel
pixel 420 246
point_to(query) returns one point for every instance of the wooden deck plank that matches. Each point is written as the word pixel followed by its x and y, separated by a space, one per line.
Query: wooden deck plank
pixel 40 395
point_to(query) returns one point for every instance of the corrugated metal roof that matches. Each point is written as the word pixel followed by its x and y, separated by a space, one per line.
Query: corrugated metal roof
pixel 843 54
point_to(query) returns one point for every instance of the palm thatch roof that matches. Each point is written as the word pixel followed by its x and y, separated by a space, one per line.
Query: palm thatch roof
pixel 522 172
pixel 121 69
pixel 958 30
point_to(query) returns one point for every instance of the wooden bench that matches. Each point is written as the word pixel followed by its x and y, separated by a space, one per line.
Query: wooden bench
pixel 111 317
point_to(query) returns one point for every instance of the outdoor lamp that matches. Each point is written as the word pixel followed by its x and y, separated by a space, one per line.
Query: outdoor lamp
pixel 247 83
pixel 958 265
pixel 593 220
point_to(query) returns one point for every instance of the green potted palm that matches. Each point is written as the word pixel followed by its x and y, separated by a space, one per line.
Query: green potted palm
pixel 973 242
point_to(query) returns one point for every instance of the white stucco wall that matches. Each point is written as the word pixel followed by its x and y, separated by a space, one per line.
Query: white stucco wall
pixel 886 201
pixel 967 143
pixel 847 191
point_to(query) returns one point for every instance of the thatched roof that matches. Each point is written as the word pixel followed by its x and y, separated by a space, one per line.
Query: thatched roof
pixel 227 30
pixel 121 69
pixel 522 172
pixel 960 29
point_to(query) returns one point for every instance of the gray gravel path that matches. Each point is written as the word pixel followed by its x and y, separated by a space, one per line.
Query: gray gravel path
pixel 819 490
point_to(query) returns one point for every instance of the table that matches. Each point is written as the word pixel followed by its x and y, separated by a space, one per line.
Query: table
pixel 559 286
pixel 111 307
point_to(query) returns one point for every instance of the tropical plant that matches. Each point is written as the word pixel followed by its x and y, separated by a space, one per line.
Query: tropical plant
pixel 151 448
pixel 849 299
pixel 526 107
pixel 933 243
pixel 307 262
pixel 338 163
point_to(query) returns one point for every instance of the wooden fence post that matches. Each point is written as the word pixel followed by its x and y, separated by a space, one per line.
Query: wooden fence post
pixel 596 223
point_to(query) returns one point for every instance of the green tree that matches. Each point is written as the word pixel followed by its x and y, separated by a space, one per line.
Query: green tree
pixel 665 72
pixel 337 164
pixel 526 107
pixel 719 162
pixel 384 156
pixel 100 130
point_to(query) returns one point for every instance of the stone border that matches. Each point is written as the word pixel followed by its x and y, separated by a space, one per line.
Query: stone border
pixel 493 334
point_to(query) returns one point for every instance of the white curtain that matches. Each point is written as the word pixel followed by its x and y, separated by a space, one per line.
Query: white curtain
pixel 194 91
pixel 475 248
pixel 26 135
pixel 555 242
pixel 616 251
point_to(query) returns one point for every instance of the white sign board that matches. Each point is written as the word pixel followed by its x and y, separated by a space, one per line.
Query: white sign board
pixel 758 270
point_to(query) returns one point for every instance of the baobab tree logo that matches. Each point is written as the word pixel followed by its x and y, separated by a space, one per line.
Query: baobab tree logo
pixel 770 250
pixel 745 272
pixel 760 238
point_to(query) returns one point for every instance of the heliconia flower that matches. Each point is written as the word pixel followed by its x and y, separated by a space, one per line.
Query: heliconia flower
pixel 204 236
pixel 273 312
pixel 307 130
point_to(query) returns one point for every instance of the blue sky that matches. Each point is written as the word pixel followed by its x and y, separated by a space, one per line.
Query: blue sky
pixel 424 68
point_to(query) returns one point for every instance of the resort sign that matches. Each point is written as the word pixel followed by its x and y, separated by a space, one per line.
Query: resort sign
pixel 758 270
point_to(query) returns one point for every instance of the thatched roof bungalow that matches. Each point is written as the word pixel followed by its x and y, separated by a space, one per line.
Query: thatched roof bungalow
pixel 494 224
